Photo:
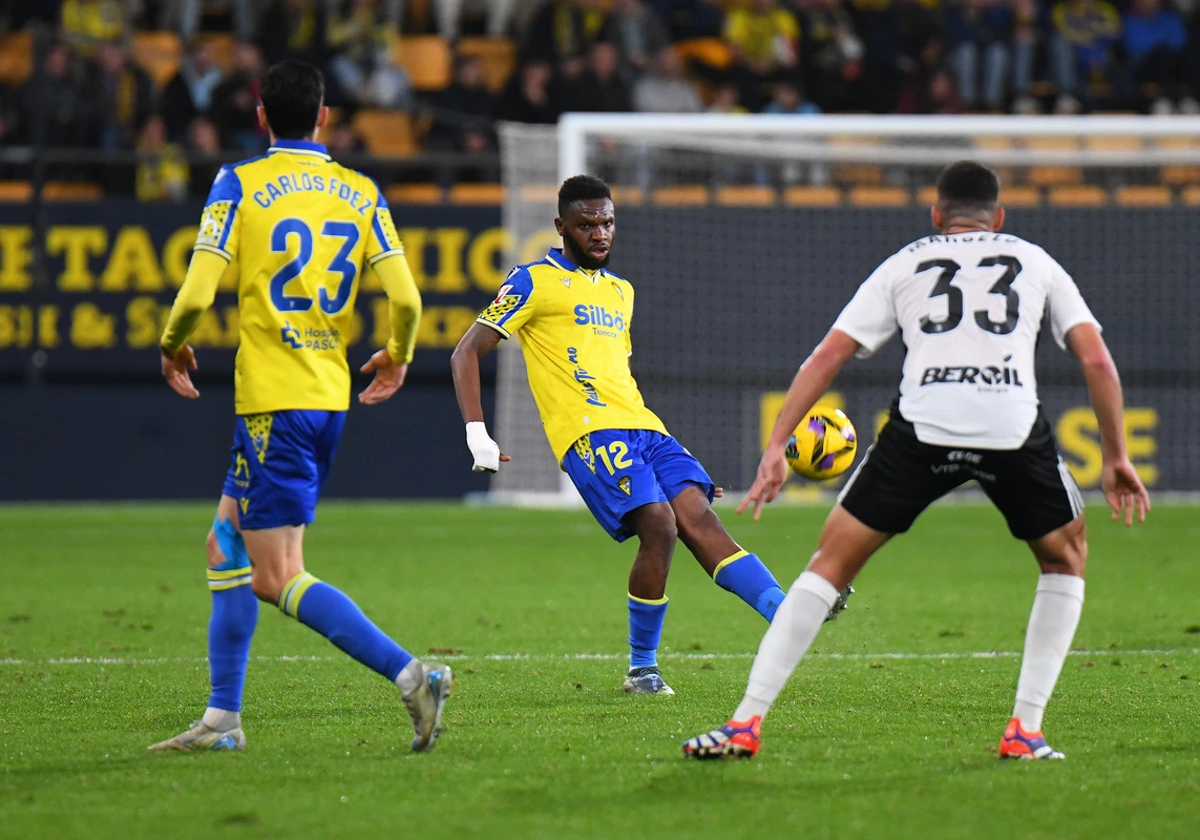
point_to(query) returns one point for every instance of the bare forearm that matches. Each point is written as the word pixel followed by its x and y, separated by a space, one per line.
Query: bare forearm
pixel 811 381
pixel 1104 389
pixel 464 364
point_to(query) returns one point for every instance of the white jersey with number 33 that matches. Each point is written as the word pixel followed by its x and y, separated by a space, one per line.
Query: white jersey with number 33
pixel 969 307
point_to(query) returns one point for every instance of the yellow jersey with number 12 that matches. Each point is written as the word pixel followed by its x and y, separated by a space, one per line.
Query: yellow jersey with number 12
pixel 573 325
pixel 299 230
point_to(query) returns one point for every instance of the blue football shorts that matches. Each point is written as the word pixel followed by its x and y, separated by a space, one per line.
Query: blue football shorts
pixel 279 463
pixel 619 470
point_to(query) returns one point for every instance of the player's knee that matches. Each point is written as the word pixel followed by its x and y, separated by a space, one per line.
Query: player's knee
pixel 266 585
pixel 212 548
pixel 658 526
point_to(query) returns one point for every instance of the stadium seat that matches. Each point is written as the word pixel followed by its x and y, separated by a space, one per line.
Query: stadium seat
pixel 627 196
pixel 476 194
pixel 414 194
pixel 15 191
pixel 1143 196
pixel 711 52
pixel 858 174
pixel 386 132
pixel 539 194
pixel 1053 175
pixel 750 196
pixel 426 59
pixel 222 45
pixel 1020 196
pixel 157 53
pixel 499 57
pixel 926 196
pixel 684 195
pixel 879 197
pixel 16 57
pixel 1113 144
pixel 1191 196
pixel 71 191
pixel 1078 195
pixel 1176 174
pixel 812 196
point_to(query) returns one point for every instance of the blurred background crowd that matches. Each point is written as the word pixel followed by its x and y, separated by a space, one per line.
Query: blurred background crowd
pixel 174 80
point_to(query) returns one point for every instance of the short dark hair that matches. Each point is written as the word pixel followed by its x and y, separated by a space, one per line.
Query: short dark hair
pixel 581 188
pixel 968 187
pixel 292 93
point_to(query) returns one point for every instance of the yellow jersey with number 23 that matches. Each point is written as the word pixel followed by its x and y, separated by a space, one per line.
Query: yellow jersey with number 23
pixel 299 230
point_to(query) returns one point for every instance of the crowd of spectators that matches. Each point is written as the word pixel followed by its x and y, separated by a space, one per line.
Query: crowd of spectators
pixel 776 56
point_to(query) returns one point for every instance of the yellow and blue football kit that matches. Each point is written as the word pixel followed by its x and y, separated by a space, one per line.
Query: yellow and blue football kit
pixel 298 230
pixel 574 329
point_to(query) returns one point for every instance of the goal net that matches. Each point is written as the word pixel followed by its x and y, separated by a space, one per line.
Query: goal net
pixel 745 235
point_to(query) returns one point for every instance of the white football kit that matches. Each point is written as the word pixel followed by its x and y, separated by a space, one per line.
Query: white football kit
pixel 969 307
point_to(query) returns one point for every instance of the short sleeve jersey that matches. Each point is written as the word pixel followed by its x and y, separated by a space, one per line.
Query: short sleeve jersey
pixel 573 326
pixel 299 230
pixel 969 307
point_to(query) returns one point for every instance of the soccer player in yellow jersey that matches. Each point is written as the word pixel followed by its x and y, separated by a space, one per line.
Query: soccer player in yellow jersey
pixel 298 230
pixel 572 316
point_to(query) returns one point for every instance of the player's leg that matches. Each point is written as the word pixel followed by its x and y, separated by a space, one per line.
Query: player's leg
pixel 622 493
pixel 844 548
pixel 1043 506
pixel 891 487
pixel 230 628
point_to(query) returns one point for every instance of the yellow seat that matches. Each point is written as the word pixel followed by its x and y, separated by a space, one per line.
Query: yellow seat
pixel 71 191
pixel 1080 195
pixel 626 196
pixel 426 59
pixel 1144 196
pixel 386 132
pixel 15 191
pixel 1113 144
pixel 222 45
pixel 476 194
pixel 1053 175
pixel 755 196
pixel 927 196
pixel 993 144
pixel 1175 174
pixel 539 194
pixel 499 57
pixel 879 197
pixel 712 52
pixel 1191 196
pixel 414 194
pixel 1020 197
pixel 858 174
pixel 157 53
pixel 812 196
pixel 16 57
pixel 684 195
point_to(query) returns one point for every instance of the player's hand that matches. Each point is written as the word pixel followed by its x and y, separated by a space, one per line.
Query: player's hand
pixel 484 450
pixel 1124 491
pixel 772 473
pixel 718 492
pixel 389 376
pixel 175 371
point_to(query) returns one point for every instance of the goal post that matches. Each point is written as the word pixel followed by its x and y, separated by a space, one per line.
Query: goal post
pixel 746 234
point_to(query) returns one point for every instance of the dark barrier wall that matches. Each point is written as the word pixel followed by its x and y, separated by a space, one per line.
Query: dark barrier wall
pixel 731 301
pixel 84 413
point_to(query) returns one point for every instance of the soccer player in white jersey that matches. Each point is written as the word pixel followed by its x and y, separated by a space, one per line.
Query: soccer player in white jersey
pixel 968 303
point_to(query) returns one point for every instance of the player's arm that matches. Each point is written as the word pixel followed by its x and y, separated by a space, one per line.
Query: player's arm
pixel 390 365
pixel 811 381
pixel 1123 489
pixel 197 293
pixel 464 364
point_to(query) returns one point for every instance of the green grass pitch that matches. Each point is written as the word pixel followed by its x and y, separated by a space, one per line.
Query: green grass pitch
pixel 888 731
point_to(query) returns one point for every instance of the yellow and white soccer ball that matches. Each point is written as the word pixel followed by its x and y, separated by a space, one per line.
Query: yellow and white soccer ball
pixel 824 444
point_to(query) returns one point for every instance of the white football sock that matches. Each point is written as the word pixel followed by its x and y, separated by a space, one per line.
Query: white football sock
pixel 222 720
pixel 792 631
pixel 1052 623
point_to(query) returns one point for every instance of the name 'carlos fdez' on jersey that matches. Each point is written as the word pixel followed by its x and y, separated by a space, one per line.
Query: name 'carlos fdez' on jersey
pixel 969 307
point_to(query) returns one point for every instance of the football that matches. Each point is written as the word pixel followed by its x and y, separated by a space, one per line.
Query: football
pixel 823 445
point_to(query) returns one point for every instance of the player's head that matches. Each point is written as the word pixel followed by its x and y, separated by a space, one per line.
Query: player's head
pixel 586 221
pixel 293 100
pixel 968 194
